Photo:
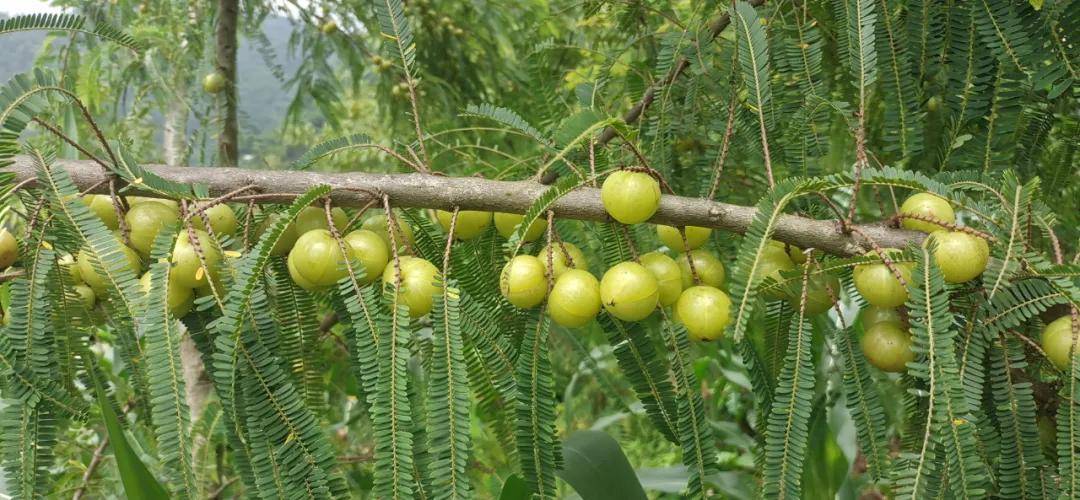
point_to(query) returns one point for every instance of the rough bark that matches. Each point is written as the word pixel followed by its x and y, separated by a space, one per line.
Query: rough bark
pixel 472 193
pixel 226 64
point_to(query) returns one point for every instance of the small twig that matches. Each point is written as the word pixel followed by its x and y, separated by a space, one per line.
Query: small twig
pixel 356 218
pixel 193 240
pixel 689 259
pixel 88 474
pixel 633 149
pixel 118 207
pixel 947 225
pixel 449 245
pixel 885 259
pixel 249 219
pixel 592 161
pixel 725 144
pixel 202 207
pixel 629 241
pixel 57 132
pixel 393 241
pixel 12 274
pixel 551 250
pixel 221 489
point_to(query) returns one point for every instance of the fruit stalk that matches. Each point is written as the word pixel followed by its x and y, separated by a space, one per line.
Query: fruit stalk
pixel 356 189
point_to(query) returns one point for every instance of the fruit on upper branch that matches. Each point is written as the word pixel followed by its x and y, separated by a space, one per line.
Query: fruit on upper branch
pixel 872 315
pixel 402 230
pixel 630 197
pixel 101 282
pixel 213 82
pixel 222 220
pixel 960 256
pixel 312 218
pixel 822 290
pixel 926 204
pixel 178 298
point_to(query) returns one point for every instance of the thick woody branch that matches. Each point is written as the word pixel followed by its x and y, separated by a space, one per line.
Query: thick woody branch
pixel 355 189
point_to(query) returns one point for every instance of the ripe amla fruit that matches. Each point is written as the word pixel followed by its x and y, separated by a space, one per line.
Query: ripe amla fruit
pixel 178 299
pixel 213 82
pixel 102 206
pixel 187 269
pixel 9 249
pixel 317 260
pixel 774 259
pixel 1057 340
pixel 888 347
pixel 470 223
pixel 312 218
pixel 285 241
pixel 506 224
pixel 872 315
pixel 709 269
pixel 100 282
pixel 705 311
pixel 960 256
pixel 575 299
pixel 222 220
pixel 370 250
pixel 419 283
pixel 629 291
pixel 668 276
pixel 695 237
pixel 564 257
pixel 630 197
pixel 329 28
pixel 403 232
pixel 86 295
pixel 928 205
pixel 145 221
pixel 523 281
pixel 877 284
pixel 137 200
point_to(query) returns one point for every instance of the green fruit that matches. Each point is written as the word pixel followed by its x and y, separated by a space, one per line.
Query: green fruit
pixel 506 224
pixel 368 248
pixel 419 283
pixel 695 237
pixel 668 276
pixel 930 205
pixel 705 311
pixel 469 225
pixel 1057 340
pixel 68 263
pixel 98 282
pixel 187 269
pixel 575 299
pixel 178 298
pixel 774 259
pixel 213 82
pixel 630 197
pixel 629 291
pixel 9 249
pixel 145 221
pixel 877 284
pixel 821 288
pixel 960 256
pixel 709 269
pixel 887 347
pixel 523 281
pixel 222 220
pixel 318 259
pixel 102 206
pixel 793 251
pixel 872 315
pixel 402 230
pixel 137 200
pixel 296 277
pixel 312 218
pixel 561 258
pixel 329 28
pixel 285 241
pixel 86 296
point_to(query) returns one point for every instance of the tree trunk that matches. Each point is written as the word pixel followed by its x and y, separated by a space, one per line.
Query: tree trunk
pixel 226 65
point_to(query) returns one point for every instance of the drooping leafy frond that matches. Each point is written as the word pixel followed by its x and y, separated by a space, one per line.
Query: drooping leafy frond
pixel 448 399
pixel 509 118
pixel 754 61
pixel 538 448
pixel 1020 473
pixel 695 434
pixel 391 413
pixel 68 22
pixel 646 371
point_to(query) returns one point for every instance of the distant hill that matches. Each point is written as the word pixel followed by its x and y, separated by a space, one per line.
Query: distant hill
pixel 262 99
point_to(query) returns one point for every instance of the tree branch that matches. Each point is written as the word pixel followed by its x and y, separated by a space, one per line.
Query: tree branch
pixel 631 116
pixel 355 189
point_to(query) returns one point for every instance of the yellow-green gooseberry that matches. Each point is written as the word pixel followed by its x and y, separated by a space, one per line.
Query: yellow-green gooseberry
pixel 1057 340
pixel 136 200
pixel 523 281
pixel 67 262
pixel 312 218
pixel 564 257
pixel 695 237
pixel 705 311
pixel 223 219
pixel 470 223
pixel 774 259
pixel 419 283
pixel 102 206
pixel 888 347
pixel 709 269
pixel 575 299
pixel 95 280
pixel 187 268
pixel 506 224
pixel 179 299
pixel 630 197
pixel 629 291
pixel 822 289
pixel 318 258
pixel 929 205
pixel 403 232
pixel 872 315
pixel 368 248
pixel 960 256
pixel 86 296
pixel 668 276
pixel 145 221
pixel 9 249
pixel 879 286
